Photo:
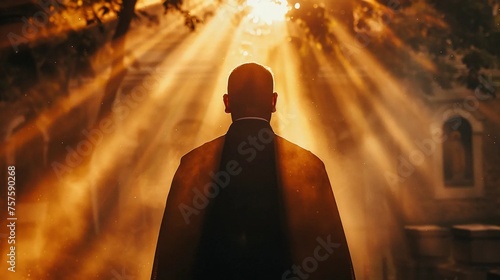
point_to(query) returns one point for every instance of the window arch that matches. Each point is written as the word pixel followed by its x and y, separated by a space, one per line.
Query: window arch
pixel 459 156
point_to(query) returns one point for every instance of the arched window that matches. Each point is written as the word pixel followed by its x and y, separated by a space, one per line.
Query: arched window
pixel 458 167
pixel 458 164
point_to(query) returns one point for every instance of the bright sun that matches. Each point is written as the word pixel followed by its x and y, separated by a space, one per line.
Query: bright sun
pixel 268 11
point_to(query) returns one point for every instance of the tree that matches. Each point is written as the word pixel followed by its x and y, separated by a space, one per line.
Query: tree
pixel 442 30
pixel 69 51
pixel 118 72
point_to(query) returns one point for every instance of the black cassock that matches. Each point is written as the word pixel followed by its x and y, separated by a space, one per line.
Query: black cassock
pixel 251 205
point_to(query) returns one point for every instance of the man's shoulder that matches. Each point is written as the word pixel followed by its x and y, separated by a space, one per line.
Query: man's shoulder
pixel 289 151
pixel 206 151
pixel 293 152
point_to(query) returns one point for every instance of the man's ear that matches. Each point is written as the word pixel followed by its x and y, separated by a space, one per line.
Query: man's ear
pixel 274 101
pixel 225 98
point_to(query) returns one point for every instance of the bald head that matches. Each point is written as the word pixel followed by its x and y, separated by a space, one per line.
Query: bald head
pixel 250 92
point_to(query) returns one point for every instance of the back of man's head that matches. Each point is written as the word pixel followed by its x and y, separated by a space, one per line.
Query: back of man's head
pixel 250 89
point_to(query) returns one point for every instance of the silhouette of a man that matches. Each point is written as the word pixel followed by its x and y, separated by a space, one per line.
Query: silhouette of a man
pixel 250 205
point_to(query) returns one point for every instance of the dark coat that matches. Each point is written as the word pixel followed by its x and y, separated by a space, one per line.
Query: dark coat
pixel 251 205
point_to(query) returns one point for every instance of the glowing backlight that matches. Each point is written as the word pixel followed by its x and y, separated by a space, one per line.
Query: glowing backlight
pixel 268 11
